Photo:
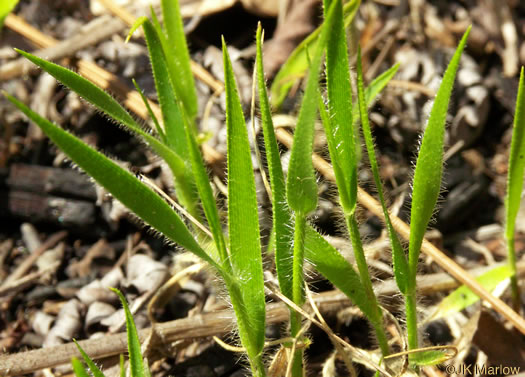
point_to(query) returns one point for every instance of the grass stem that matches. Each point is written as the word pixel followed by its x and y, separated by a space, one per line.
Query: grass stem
pixel 298 288
pixel 377 321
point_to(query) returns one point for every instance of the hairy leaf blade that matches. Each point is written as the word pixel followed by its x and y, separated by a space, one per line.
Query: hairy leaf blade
pixel 515 183
pixel 152 115
pixel 91 365
pixel 339 132
pixel 173 120
pixel 135 355
pixel 281 215
pixel 297 63
pixel 333 266
pixel 103 101
pixel 398 254
pixel 429 166
pixel 202 181
pixel 243 219
pixel 178 57
pixel 301 185
pixel 124 186
pixel 78 368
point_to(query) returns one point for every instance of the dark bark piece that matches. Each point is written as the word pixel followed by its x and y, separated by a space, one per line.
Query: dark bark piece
pixel 55 181
pixel 44 208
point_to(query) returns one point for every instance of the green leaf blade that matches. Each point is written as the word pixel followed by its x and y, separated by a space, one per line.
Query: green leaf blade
pixel 462 297
pixel 339 133
pixel 6 7
pixel 515 184
pixel 123 185
pixel 334 267
pixel 429 166
pixel 297 63
pixel 173 122
pixel 78 368
pixel 398 254
pixel 243 219
pixel 301 184
pixel 103 101
pixel 135 354
pixel 91 365
pixel 177 54
pixel 281 213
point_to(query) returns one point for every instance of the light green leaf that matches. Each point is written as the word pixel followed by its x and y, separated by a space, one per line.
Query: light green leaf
pixel 78 368
pixel 431 357
pixel 297 64
pixel 205 191
pixel 91 365
pixel 281 215
pixel 334 267
pixel 426 186
pixel 173 121
pixel 178 57
pixel 301 185
pixel 429 166
pixel 463 296
pixel 398 254
pixel 6 7
pixel 515 183
pixel 108 105
pixel 339 133
pixel 123 185
pixel 243 221
pixel 135 355
pixel 152 115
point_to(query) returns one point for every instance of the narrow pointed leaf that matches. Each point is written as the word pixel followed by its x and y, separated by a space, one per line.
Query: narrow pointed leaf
pixel 135 355
pixel 463 296
pixel 429 166
pixel 173 122
pixel 103 101
pixel 123 185
pixel 297 63
pixel 281 215
pixel 431 357
pixel 202 181
pixel 398 254
pixel 515 182
pixel 172 115
pixel 78 368
pixel 178 57
pixel 152 115
pixel 339 132
pixel 333 266
pixel 95 371
pixel 301 185
pixel 243 220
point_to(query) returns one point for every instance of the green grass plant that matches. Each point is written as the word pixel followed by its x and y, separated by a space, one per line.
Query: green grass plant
pixel 427 186
pixel 136 363
pixel 235 253
pixel 515 186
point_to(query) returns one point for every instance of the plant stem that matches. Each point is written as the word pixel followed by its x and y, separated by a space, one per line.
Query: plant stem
pixel 362 266
pixel 515 288
pixel 411 318
pixel 257 367
pixel 297 288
